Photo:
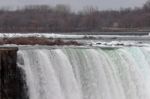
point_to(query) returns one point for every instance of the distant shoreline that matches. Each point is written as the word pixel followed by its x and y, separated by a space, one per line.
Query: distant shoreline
pixel 84 33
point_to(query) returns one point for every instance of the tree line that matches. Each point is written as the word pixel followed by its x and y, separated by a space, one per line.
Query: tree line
pixel 43 18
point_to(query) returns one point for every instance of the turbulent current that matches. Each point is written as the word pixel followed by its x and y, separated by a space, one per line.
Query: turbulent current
pixel 87 73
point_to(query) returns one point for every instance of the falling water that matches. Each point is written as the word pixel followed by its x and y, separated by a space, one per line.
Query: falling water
pixel 93 73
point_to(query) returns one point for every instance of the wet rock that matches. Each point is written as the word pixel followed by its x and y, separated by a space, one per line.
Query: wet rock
pixel 11 78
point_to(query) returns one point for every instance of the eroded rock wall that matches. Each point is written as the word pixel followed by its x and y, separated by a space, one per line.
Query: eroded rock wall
pixel 11 79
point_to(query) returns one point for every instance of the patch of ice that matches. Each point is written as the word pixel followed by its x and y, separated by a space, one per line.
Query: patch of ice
pixel 46 35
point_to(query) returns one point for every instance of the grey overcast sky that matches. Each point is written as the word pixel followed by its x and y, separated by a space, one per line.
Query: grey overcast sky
pixel 76 4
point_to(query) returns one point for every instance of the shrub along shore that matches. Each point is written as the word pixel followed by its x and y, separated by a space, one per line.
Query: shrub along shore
pixel 37 41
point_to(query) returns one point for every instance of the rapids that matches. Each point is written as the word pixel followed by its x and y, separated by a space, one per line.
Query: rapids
pixel 92 73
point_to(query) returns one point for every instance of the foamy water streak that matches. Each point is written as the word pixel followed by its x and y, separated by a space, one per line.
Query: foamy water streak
pixel 69 73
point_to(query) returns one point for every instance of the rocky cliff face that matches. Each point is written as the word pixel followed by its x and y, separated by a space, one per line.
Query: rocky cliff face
pixel 11 79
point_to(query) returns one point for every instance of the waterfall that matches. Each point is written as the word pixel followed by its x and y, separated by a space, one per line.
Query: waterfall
pixel 92 73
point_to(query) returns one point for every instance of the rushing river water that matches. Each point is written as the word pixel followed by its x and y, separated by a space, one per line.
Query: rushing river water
pixel 92 73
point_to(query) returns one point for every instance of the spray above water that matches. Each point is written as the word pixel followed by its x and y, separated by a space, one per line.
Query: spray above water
pixel 92 73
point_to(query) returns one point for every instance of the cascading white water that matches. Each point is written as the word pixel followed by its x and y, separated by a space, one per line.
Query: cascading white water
pixel 69 73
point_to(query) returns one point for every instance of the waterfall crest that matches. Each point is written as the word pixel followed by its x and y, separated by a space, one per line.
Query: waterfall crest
pixel 69 73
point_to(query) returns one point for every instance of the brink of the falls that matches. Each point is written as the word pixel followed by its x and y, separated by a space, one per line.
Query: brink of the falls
pixel 86 73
